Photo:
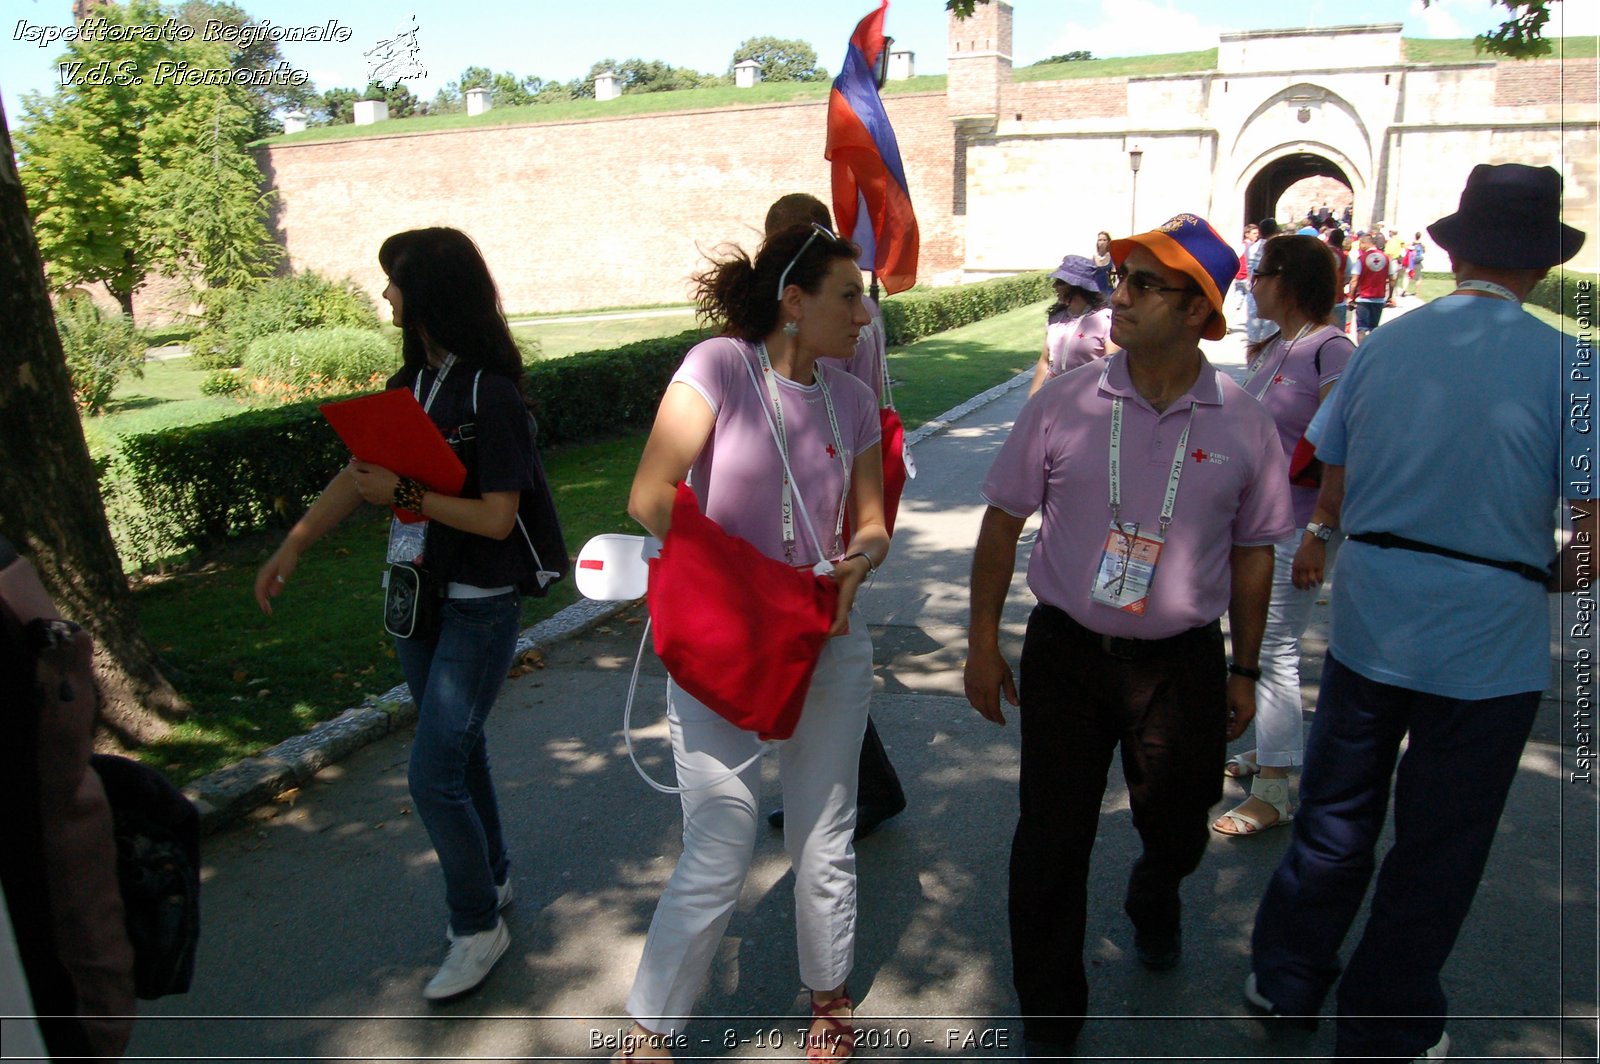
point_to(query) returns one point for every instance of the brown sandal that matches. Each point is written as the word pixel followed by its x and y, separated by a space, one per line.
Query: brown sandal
pixel 837 1039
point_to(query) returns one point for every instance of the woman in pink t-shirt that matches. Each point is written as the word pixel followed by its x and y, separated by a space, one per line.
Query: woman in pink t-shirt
pixel 790 316
pixel 1291 373
pixel 1078 328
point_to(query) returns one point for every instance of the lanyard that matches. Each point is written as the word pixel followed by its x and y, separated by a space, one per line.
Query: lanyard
pixel 770 377
pixel 1178 456
pixel 1287 351
pixel 1489 288
pixel 444 371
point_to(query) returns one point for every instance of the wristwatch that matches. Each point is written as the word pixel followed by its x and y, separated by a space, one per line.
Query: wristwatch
pixel 1321 531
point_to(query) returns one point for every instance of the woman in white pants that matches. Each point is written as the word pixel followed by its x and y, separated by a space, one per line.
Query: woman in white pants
pixel 1292 371
pixel 796 303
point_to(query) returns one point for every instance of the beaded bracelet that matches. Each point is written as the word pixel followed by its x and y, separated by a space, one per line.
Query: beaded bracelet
pixel 408 495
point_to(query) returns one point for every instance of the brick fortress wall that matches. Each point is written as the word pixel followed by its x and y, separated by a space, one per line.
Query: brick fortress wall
pixel 594 213
pixel 618 211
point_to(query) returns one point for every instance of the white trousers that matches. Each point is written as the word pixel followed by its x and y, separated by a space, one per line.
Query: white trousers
pixel 818 769
pixel 1280 741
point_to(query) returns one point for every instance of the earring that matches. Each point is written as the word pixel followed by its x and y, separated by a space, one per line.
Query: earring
pixel 791 328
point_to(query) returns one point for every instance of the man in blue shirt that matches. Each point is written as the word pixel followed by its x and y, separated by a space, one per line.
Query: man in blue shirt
pixel 1445 447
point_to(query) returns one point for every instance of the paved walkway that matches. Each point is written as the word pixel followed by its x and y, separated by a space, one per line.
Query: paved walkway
pixel 323 914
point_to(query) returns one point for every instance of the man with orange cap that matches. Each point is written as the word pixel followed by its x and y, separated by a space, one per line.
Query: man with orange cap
pixel 1162 487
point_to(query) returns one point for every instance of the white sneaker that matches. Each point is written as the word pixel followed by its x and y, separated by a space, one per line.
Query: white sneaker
pixel 1440 1049
pixel 503 896
pixel 468 962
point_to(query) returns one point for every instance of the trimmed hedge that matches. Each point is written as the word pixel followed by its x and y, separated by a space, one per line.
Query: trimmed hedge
pixel 922 312
pixel 596 394
pixel 1566 292
pixel 194 486
pixel 189 488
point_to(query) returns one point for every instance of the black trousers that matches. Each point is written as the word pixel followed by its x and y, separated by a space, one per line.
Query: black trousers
pixel 1165 705
pixel 879 786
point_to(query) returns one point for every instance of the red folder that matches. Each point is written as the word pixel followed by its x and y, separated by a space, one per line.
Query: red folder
pixel 390 429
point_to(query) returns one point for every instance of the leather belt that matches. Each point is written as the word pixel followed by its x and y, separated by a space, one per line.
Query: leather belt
pixel 1137 649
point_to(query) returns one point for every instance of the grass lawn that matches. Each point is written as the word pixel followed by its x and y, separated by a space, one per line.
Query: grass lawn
pixel 557 339
pixel 167 396
pixel 721 97
pixel 255 680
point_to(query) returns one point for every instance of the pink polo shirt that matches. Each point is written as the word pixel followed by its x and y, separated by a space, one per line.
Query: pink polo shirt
pixel 1289 382
pixel 1233 491
pixel 1074 342
pixel 738 475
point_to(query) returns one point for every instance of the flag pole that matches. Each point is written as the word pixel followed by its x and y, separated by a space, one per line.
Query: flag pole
pixel 873 290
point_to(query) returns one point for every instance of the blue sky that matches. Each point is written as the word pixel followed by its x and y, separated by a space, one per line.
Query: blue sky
pixel 560 40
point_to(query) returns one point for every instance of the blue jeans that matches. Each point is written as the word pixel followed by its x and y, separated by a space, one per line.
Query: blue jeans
pixel 1449 792
pixel 454 678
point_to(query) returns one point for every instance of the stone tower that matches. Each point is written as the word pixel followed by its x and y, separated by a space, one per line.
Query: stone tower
pixel 980 64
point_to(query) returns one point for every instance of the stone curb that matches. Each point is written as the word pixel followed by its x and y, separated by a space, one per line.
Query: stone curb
pixel 229 793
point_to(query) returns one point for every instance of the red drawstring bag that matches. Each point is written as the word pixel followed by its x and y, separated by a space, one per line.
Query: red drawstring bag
pixel 894 462
pixel 1305 468
pixel 736 629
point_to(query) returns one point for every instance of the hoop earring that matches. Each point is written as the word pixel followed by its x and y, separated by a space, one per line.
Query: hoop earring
pixel 791 328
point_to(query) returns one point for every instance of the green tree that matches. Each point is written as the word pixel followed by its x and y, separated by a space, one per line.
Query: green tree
pixel 1522 35
pixel 204 212
pixel 50 504
pixel 508 90
pixel 336 107
pixel 781 60
pixel 646 75
pixel 1065 57
pixel 90 151
pixel 285 91
pixel 402 102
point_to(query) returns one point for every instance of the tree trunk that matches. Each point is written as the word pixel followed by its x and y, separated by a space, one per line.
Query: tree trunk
pixel 124 300
pixel 50 504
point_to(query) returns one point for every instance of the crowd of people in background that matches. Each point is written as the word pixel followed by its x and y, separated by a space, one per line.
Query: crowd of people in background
pixel 1379 267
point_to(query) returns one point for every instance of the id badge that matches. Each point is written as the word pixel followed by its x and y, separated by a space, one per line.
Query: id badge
pixel 1127 568
pixel 406 542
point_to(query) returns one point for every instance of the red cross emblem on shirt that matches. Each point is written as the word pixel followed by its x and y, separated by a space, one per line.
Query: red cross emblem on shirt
pixel 1278 379
pixel 831 452
pixel 1198 455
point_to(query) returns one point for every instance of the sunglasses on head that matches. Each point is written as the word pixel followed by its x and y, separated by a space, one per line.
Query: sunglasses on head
pixel 817 230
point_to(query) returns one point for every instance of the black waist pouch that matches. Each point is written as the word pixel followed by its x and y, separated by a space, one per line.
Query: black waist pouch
pixel 411 602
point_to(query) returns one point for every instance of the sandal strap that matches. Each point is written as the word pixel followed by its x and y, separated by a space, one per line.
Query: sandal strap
pixel 1275 792
pixel 842 1029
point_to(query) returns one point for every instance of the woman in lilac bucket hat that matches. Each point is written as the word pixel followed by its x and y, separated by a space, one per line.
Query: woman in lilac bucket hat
pixel 1078 327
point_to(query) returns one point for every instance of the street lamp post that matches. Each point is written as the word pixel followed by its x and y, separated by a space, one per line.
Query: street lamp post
pixel 1135 157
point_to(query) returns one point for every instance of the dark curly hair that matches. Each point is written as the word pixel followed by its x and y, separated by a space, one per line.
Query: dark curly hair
pixel 741 294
